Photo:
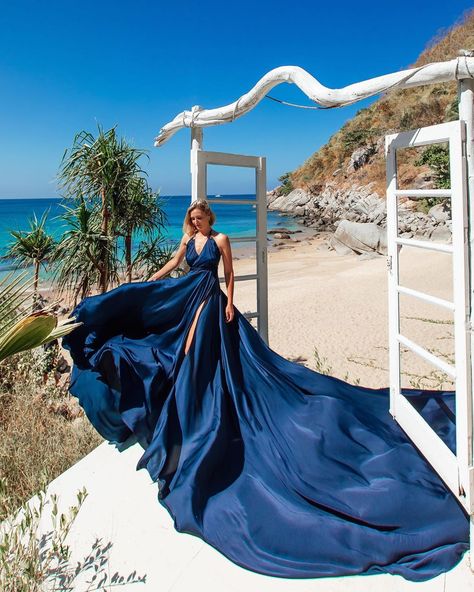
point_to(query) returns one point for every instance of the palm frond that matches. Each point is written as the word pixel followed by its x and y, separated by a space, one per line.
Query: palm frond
pixel 20 331
pixel 31 245
pixel 30 331
pixel 153 254
pixel 14 292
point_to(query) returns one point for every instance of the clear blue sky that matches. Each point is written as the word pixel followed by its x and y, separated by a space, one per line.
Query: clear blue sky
pixel 66 65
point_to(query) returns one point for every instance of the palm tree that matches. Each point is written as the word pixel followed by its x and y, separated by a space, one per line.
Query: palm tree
pixel 153 254
pixel 76 260
pixel 32 247
pixel 139 210
pixel 102 168
pixel 20 331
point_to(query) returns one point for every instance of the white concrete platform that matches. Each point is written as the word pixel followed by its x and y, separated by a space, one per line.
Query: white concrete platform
pixel 122 508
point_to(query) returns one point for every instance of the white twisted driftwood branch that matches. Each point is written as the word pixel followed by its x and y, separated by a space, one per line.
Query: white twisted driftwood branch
pixel 456 69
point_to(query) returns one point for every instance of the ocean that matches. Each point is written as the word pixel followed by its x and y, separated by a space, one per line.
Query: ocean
pixel 234 220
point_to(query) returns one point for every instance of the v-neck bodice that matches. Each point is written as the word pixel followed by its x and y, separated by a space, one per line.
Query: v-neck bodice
pixel 207 258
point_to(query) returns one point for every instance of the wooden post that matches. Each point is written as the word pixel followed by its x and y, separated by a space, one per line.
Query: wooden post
pixel 196 174
pixel 456 69
pixel 262 270
pixel 466 114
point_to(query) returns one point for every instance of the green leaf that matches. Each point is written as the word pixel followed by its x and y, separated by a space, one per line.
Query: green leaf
pixel 27 333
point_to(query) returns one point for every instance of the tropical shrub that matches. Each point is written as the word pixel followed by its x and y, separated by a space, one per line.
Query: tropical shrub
pixel 32 247
pixel 101 170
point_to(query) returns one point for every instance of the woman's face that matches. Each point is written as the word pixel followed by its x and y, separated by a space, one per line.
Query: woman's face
pixel 199 219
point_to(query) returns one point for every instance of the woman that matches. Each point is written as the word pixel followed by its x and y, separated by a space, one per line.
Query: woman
pixel 285 471
pixel 197 227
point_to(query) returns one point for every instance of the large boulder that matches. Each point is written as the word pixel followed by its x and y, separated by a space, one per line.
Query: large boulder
pixel 359 238
pixel 288 203
pixel 360 157
pixel 360 204
pixel 440 212
pixel 441 234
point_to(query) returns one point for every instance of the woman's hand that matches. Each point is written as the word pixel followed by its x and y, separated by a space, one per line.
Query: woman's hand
pixel 156 276
pixel 173 262
pixel 226 252
pixel 229 313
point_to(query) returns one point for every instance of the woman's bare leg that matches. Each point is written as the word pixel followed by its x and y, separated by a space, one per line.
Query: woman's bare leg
pixel 192 329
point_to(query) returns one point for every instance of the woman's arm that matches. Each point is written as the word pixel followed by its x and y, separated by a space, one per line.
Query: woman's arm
pixel 172 263
pixel 226 252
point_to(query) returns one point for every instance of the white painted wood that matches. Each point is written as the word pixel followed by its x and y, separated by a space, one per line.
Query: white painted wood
pixel 242 278
pixel 461 308
pixel 456 69
pixel 466 114
pixel 423 136
pixel 228 159
pixel 423 193
pixel 196 145
pixel 200 160
pixel 455 470
pixel 243 239
pixel 425 244
pixel 232 201
pixel 262 269
pixel 393 251
pixel 251 315
pixel 426 355
pixel 426 297
pixel 443 461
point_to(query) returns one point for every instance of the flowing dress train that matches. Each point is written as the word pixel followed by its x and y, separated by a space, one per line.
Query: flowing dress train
pixel 286 471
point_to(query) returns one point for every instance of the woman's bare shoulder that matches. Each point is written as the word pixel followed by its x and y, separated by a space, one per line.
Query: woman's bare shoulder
pixel 219 237
pixel 186 238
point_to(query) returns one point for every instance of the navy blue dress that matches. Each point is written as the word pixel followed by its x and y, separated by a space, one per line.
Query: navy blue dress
pixel 286 471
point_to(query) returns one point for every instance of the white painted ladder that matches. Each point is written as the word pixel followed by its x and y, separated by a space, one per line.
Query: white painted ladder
pixel 455 469
pixel 200 159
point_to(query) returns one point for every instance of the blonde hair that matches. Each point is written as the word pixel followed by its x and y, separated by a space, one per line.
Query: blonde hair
pixel 199 204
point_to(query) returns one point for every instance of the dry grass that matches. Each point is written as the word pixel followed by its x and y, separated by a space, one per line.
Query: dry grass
pixel 42 429
pixel 394 111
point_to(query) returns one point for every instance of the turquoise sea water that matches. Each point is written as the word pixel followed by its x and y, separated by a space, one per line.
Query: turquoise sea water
pixel 234 220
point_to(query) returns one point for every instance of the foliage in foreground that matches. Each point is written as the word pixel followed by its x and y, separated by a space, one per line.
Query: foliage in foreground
pixel 19 330
pixel 42 433
pixel 42 429
pixel 32 560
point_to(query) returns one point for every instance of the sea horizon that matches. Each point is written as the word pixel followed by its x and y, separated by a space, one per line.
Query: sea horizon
pixel 237 221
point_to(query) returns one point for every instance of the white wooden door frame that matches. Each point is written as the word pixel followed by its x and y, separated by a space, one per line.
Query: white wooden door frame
pixel 455 469
pixel 200 159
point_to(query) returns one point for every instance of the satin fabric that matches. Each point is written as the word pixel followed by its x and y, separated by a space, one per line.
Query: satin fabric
pixel 286 471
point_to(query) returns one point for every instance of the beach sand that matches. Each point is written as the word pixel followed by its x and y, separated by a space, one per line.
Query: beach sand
pixel 338 306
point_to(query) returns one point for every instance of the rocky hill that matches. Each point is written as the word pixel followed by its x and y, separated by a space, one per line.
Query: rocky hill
pixel 345 179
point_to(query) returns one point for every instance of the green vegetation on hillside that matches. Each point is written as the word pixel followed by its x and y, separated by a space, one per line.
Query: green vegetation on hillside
pixel 395 111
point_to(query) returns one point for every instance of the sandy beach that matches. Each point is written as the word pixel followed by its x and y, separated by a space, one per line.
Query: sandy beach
pixel 337 306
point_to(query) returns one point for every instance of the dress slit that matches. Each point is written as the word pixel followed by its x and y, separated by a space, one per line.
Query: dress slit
pixel 192 329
